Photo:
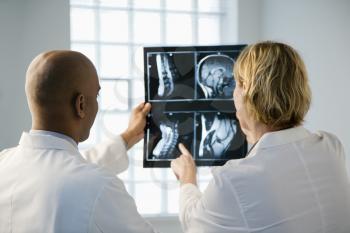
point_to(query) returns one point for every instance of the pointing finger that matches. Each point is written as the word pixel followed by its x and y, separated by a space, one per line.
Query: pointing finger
pixel 183 149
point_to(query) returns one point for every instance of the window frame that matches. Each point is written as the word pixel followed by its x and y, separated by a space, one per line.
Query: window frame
pixel 195 15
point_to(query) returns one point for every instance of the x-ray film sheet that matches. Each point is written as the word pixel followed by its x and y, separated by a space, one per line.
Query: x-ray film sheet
pixel 191 92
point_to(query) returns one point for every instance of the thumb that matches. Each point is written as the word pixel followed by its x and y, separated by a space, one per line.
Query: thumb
pixel 140 106
pixel 146 108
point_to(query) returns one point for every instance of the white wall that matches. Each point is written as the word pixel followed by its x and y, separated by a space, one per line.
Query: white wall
pixel 26 28
pixel 320 31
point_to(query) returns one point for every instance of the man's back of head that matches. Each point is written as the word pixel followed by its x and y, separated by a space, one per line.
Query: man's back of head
pixel 61 89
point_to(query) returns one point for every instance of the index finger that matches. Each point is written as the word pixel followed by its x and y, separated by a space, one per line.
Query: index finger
pixel 184 150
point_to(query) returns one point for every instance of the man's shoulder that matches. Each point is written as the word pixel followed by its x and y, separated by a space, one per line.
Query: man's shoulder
pixel 6 152
pixel 77 177
pixel 77 165
pixel 64 168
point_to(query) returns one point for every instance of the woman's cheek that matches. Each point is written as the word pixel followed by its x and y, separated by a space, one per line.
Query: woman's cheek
pixel 240 117
pixel 238 101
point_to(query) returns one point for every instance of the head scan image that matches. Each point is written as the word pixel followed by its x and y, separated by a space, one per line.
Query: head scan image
pixel 167 74
pixel 217 132
pixel 168 141
pixel 215 76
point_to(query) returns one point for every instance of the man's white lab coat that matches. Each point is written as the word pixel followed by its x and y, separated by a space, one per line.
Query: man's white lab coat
pixel 293 181
pixel 46 186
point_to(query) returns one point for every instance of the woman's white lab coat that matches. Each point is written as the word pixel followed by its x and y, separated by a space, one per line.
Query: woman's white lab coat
pixel 293 181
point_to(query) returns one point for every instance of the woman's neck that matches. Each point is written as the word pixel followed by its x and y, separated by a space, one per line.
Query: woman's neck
pixel 256 132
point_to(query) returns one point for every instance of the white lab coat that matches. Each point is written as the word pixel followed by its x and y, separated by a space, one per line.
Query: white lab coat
pixel 47 186
pixel 293 181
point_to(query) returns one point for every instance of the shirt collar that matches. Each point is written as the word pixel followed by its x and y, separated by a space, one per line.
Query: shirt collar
pixel 54 134
pixel 281 137
pixel 44 140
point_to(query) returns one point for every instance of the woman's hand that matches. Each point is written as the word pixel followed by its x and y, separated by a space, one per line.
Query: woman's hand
pixel 184 167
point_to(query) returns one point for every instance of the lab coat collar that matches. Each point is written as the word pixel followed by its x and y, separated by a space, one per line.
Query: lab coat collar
pixel 56 134
pixel 280 137
pixel 42 141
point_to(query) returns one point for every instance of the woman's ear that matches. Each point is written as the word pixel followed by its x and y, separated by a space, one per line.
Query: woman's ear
pixel 244 87
pixel 80 106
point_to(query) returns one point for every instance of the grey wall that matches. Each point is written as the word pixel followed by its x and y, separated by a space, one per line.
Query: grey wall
pixel 249 18
pixel 26 28
pixel 320 31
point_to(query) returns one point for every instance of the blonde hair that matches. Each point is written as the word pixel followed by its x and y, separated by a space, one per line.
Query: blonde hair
pixel 275 84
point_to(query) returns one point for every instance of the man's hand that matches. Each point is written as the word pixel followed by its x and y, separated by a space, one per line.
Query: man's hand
pixel 137 123
pixel 184 167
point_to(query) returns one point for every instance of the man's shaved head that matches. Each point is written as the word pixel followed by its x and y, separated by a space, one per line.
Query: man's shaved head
pixel 54 76
pixel 54 81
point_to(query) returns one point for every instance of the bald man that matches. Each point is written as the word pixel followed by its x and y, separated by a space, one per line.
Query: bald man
pixel 46 185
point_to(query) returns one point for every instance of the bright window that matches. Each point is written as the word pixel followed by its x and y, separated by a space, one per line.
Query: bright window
pixel 112 33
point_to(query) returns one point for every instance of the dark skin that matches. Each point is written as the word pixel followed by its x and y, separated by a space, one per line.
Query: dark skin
pixel 62 89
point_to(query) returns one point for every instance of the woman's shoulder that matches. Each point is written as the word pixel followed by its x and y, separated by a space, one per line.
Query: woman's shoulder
pixel 329 138
pixel 239 169
pixel 329 143
pixel 269 159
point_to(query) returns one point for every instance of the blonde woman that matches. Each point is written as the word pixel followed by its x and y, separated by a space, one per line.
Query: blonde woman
pixel 292 180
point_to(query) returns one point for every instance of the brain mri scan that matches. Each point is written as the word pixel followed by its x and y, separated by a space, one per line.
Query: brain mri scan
pixel 215 76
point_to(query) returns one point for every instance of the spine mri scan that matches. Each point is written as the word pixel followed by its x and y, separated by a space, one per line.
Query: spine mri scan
pixel 169 139
pixel 167 74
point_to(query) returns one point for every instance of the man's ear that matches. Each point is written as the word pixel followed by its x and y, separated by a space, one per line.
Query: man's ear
pixel 80 105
